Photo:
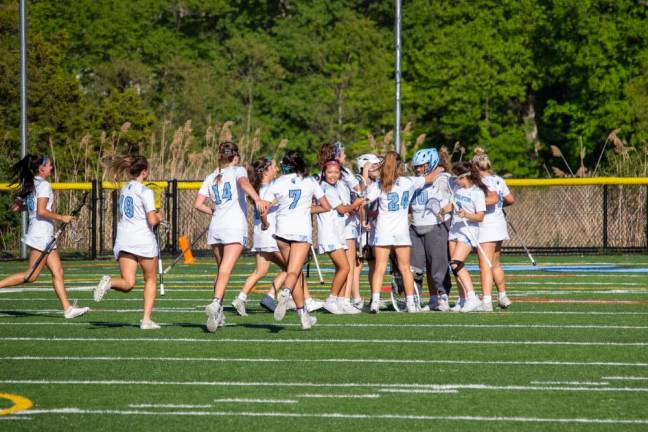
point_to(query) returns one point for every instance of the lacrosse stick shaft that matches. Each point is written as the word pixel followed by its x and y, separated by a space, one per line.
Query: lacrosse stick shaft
pixel 319 270
pixel 181 254
pixel 160 271
pixel 519 238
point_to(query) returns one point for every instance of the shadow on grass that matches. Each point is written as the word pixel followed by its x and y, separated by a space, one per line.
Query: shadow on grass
pixel 22 314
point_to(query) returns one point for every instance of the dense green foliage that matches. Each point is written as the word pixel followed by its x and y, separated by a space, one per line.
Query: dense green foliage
pixel 503 74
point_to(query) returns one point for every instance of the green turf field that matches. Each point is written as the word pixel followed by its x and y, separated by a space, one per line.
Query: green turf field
pixel 570 354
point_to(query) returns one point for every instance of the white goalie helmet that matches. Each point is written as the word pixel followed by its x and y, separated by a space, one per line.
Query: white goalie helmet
pixel 361 161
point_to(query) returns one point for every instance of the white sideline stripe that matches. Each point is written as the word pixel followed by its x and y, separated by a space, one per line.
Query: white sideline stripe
pixel 13 417
pixel 328 341
pixel 420 387
pixel 383 325
pixel 336 396
pixel 331 360
pixel 627 378
pixel 345 416
pixel 167 406
pixel 588 383
pixel 387 390
pixel 260 401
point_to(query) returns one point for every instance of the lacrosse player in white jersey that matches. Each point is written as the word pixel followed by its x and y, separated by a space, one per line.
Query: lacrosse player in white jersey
pixel 331 236
pixel 429 231
pixel 369 166
pixel 135 243
pixel 468 204
pixel 392 232
pixel 293 192
pixel 227 235
pixel 36 197
pixel 492 232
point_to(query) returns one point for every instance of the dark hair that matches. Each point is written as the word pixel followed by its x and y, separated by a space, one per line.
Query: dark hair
pixel 391 170
pixel 329 152
pixel 293 162
pixel 227 151
pixel 256 169
pixel 330 162
pixel 473 170
pixel 24 171
pixel 130 166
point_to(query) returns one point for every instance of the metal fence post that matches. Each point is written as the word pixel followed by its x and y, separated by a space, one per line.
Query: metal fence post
pixel 174 216
pixel 93 218
pixel 605 217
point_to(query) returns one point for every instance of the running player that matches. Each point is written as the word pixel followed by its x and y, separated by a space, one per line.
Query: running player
pixel 468 204
pixel 36 197
pixel 294 193
pixel 331 236
pixel 135 243
pixel 393 192
pixel 492 232
pixel 429 231
pixel 226 188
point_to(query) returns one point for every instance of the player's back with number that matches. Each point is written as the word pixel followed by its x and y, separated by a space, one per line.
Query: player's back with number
pixel 133 231
pixel 394 205
pixel 226 194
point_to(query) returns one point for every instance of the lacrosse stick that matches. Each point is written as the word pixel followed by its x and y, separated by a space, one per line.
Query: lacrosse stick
pixel 519 238
pixel 181 254
pixel 319 270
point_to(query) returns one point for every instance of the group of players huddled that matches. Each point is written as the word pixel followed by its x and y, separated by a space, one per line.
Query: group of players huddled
pixel 362 216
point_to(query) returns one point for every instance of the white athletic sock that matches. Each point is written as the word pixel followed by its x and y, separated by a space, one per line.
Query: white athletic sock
pixel 242 296
pixel 343 300
pixel 332 299
pixel 375 297
pixel 357 299
pixel 216 301
pixel 487 299
pixel 502 294
pixel 301 311
pixel 410 299
pixel 471 295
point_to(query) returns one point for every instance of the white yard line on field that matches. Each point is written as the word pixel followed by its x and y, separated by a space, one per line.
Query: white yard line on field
pixel 167 406
pixel 626 378
pixel 325 341
pixel 576 383
pixel 257 401
pixel 327 360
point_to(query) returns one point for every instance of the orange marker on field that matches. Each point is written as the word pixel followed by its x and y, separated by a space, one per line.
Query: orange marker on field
pixel 186 250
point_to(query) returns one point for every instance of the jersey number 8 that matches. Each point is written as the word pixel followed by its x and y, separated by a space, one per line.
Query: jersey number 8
pixel 126 206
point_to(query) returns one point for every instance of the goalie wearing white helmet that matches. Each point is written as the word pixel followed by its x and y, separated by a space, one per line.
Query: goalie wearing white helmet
pixel 429 230
pixel 492 232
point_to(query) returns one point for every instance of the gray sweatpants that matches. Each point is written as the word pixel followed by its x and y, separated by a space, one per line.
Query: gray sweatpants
pixel 430 252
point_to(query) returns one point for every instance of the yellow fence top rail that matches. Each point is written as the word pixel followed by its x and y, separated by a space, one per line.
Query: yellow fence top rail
pixel 194 185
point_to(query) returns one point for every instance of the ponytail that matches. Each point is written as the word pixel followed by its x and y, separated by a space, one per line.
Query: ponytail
pixel 130 166
pixel 24 171
pixel 227 151
pixel 293 163
pixel 391 170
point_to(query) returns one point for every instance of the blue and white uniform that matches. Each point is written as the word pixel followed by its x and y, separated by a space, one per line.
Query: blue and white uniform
pixel 294 196
pixel 229 221
pixel 41 230
pixel 471 200
pixel 392 226
pixel 345 186
pixel 134 234
pixel 331 224
pixel 428 201
pixel 264 241
pixel 493 227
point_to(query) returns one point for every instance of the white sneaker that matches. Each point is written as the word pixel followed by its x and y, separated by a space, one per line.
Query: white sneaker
pixel 221 321
pixel 358 304
pixel 347 308
pixel 102 287
pixel 472 305
pixel 239 305
pixel 411 308
pixel 307 321
pixel 283 300
pixel 504 302
pixel 214 313
pixel 312 304
pixel 73 311
pixel 486 307
pixel 149 325
pixel 374 307
pixel 458 306
pixel 443 306
pixel 332 307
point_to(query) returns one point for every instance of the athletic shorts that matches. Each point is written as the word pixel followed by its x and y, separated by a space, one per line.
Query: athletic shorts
pixel 393 239
pixel 493 232
pixel 226 237
pixel 464 234
pixel 38 243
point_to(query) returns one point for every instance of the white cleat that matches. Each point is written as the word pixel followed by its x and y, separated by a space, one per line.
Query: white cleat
pixel 504 302
pixel 411 308
pixel 332 307
pixel 307 321
pixel 472 305
pixel 443 306
pixel 486 307
pixel 458 306
pixel 102 287
pixel 283 300
pixel 73 311
pixel 149 325
pixel 214 313
pixel 221 321
pixel 358 304
pixel 347 308
pixel 239 305
pixel 312 305
pixel 374 307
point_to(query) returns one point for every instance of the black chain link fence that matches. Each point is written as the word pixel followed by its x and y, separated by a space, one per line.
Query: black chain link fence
pixel 548 220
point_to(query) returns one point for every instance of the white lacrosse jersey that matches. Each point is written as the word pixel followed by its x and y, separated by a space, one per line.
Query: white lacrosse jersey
pixel 134 234
pixel 294 195
pixel 331 225
pixel 40 230
pixel 230 208
pixel 471 200
pixel 428 201
pixel 496 184
pixel 346 188
pixel 264 241
pixel 393 208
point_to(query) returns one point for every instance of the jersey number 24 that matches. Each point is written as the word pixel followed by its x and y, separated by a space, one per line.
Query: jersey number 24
pixel 393 201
